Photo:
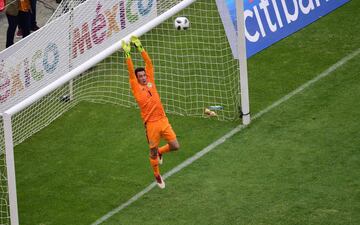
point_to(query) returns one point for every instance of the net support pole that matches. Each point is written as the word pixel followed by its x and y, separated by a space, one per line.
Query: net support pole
pixel 10 169
pixel 71 25
pixel 244 87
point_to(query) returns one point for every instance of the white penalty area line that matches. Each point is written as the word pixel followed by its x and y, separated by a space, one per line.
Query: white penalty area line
pixel 228 135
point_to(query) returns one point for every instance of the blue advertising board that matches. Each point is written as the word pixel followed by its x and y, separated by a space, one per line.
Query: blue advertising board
pixel 268 21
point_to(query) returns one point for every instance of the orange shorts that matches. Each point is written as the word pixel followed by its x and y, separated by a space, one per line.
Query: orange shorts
pixel 157 130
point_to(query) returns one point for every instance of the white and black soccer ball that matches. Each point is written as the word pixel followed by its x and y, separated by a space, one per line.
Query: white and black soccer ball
pixel 182 23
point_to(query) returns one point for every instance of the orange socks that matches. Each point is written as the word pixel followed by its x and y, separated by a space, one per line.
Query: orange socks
pixel 155 162
pixel 164 149
pixel 155 165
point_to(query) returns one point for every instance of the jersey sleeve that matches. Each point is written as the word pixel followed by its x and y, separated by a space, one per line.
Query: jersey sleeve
pixel 149 68
pixel 132 76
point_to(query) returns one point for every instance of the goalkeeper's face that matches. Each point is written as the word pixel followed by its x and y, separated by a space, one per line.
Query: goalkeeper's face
pixel 141 77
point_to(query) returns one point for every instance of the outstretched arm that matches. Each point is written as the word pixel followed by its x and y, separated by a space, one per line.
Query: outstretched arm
pixel 149 69
pixel 130 65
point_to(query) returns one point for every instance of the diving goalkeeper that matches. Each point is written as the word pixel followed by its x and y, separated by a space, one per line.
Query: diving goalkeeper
pixel 152 111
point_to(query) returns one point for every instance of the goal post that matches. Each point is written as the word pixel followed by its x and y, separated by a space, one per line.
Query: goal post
pixel 244 87
pixel 10 168
pixel 76 58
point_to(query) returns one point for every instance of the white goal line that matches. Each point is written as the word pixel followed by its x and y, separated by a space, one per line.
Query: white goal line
pixel 228 135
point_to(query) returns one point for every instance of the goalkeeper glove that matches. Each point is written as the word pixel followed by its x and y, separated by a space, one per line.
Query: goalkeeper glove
pixel 135 40
pixel 126 47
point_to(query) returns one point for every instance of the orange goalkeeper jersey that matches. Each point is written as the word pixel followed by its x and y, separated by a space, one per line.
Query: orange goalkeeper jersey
pixel 146 96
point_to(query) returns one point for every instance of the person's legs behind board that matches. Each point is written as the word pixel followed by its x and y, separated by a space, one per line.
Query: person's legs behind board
pixel 24 22
pixel 10 34
pixel 33 23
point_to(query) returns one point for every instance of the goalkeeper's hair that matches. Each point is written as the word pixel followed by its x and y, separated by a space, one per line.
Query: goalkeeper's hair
pixel 139 69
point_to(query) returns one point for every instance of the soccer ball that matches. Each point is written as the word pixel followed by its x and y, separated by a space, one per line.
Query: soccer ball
pixel 182 23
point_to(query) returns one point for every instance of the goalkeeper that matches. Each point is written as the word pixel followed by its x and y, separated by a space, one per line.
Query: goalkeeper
pixel 152 111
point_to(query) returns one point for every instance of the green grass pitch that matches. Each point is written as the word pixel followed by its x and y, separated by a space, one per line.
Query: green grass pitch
pixel 297 164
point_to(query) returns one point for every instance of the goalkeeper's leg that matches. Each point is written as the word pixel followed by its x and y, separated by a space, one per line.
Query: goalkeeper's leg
pixel 170 146
pixel 169 135
pixel 155 165
pixel 153 134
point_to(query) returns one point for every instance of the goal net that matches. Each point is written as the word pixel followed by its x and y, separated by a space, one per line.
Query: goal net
pixel 75 58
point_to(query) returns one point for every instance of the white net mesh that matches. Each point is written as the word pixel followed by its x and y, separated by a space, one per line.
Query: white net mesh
pixel 64 7
pixel 194 68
